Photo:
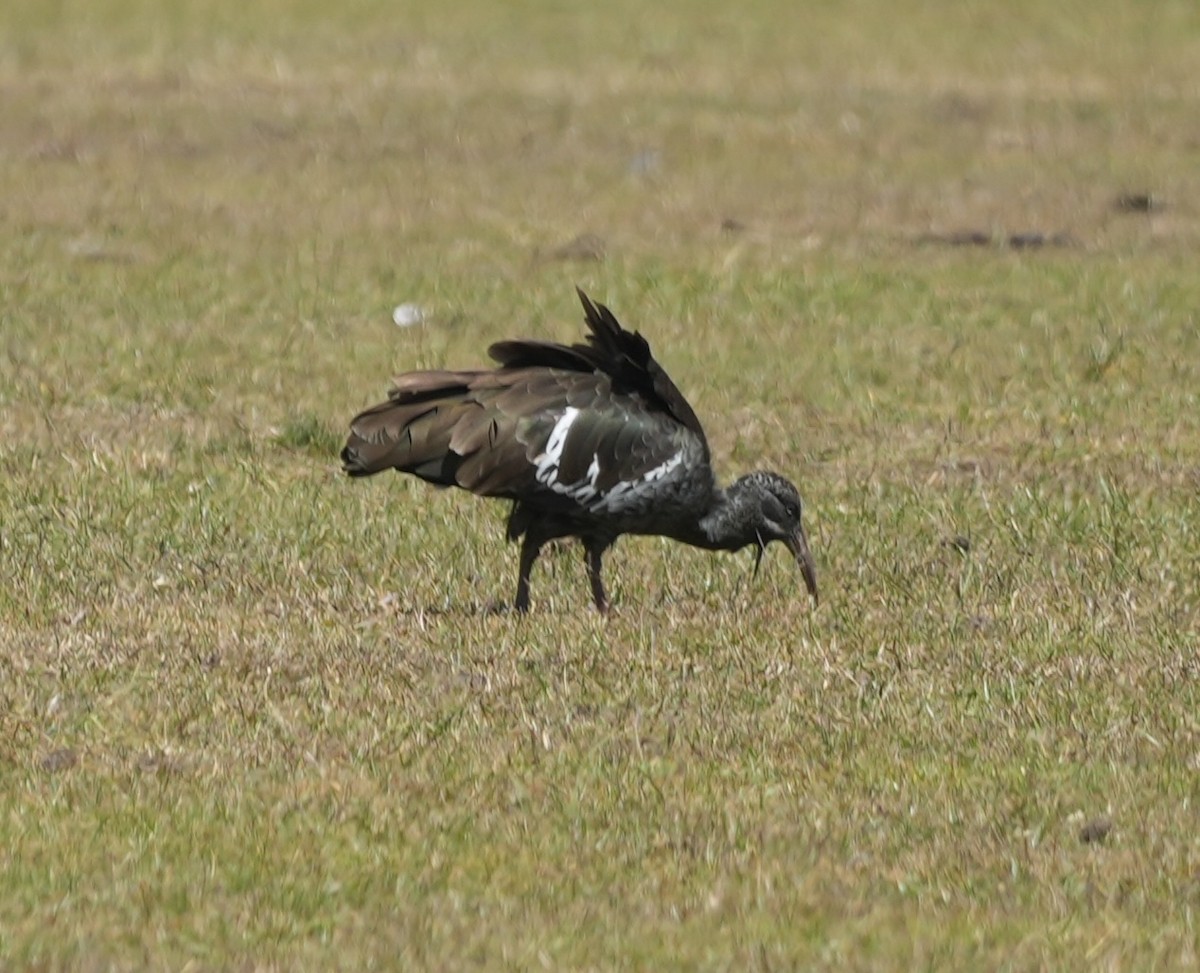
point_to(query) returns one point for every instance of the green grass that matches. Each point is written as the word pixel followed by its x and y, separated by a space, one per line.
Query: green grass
pixel 254 715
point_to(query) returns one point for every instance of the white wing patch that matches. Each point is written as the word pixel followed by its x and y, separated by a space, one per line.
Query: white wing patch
pixel 584 491
pixel 630 488
pixel 547 463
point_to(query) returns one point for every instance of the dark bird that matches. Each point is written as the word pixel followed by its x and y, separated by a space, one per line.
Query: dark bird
pixel 588 440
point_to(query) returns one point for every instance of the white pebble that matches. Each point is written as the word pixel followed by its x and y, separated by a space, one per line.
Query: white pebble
pixel 406 315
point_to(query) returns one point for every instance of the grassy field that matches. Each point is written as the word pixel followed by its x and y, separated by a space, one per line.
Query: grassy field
pixel 256 716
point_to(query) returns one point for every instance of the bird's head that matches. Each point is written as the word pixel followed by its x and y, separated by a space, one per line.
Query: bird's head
pixel 776 511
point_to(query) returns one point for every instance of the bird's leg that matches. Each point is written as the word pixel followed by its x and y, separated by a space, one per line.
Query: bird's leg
pixel 593 552
pixel 530 546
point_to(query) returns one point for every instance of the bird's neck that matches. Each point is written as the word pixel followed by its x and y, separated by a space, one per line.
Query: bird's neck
pixel 728 525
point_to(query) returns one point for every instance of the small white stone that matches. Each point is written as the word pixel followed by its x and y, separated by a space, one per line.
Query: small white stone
pixel 406 315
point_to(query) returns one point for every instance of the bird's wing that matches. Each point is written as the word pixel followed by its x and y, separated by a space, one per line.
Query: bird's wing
pixel 563 440
pixel 624 356
pixel 577 443
pixel 628 360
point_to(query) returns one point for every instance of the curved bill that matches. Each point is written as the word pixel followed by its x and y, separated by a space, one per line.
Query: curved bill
pixel 797 543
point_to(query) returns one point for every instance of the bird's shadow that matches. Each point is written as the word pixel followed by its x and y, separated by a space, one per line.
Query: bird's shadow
pixel 479 609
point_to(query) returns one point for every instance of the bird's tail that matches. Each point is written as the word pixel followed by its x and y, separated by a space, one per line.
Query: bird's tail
pixel 413 430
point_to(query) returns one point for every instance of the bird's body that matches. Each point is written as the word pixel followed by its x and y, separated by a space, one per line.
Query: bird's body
pixel 590 441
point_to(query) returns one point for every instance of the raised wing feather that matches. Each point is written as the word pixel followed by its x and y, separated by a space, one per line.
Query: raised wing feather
pixel 624 356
